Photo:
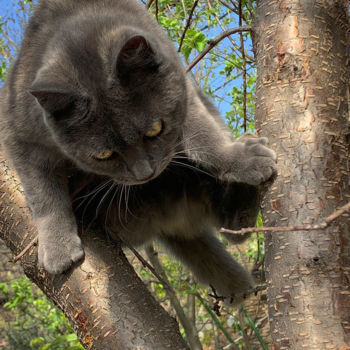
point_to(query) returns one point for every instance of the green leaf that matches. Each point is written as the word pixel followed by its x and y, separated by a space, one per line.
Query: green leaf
pixel 256 331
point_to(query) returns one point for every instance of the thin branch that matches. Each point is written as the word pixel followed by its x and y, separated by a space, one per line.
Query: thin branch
pixel 25 250
pixel 212 43
pixel 235 9
pixel 187 24
pixel 228 7
pixel 244 69
pixel 337 213
pixel 326 222
pixel 189 327
pixel 149 266
pixel 202 29
pixel 157 9
pixel 234 45
pixel 246 341
pixel 149 4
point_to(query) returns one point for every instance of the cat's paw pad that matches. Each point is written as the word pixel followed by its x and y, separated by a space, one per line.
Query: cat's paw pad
pixel 57 258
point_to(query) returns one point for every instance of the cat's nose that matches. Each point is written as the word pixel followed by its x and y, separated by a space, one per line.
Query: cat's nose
pixel 142 170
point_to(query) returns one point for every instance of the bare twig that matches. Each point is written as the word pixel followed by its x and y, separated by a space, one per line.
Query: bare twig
pixel 327 221
pixel 32 243
pixel 212 43
pixel 244 69
pixel 149 266
pixel 149 4
pixel 246 341
pixel 188 23
pixel 187 324
pixel 233 43
pixel 157 9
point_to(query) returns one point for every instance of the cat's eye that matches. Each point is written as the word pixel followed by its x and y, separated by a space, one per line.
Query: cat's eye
pixel 106 155
pixel 157 128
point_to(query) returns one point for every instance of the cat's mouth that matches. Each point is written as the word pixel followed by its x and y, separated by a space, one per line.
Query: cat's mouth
pixel 148 179
pixel 134 182
pixel 137 180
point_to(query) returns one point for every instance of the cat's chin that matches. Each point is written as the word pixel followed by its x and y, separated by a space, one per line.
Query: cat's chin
pixel 135 182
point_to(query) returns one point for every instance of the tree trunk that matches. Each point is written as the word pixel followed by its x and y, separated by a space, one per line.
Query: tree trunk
pixel 106 303
pixel 302 106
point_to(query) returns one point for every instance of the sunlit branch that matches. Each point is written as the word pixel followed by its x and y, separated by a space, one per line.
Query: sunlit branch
pixel 212 43
pixel 324 224
pixel 188 23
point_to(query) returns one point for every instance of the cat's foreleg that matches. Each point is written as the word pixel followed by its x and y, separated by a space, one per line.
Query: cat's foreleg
pixel 211 264
pixel 209 142
pixel 47 196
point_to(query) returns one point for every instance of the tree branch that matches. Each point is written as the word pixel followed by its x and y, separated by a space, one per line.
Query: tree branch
pixel 244 69
pixel 103 298
pixel 326 222
pixel 212 43
pixel 187 24
pixel 149 4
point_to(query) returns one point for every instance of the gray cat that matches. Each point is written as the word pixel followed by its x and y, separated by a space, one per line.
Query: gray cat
pixel 98 93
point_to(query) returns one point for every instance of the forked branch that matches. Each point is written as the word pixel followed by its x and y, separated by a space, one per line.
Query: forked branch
pixel 212 43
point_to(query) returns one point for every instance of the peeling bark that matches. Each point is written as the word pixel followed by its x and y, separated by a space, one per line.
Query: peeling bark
pixel 107 304
pixel 302 106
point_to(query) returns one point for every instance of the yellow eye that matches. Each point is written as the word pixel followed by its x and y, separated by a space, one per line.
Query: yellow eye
pixel 104 155
pixel 156 129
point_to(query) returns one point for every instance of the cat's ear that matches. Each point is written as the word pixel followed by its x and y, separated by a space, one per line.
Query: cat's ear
pixel 55 100
pixel 136 60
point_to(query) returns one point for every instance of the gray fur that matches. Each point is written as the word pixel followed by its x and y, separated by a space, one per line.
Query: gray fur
pixel 94 76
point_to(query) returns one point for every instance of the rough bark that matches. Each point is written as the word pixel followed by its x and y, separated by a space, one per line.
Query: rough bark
pixel 105 301
pixel 302 106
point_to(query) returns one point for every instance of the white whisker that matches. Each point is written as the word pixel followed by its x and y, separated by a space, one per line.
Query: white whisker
pixel 117 187
pixel 91 199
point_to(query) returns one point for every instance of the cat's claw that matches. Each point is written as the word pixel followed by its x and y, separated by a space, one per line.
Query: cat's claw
pixel 235 291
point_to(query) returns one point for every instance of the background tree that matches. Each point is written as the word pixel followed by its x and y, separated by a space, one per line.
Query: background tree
pixel 302 106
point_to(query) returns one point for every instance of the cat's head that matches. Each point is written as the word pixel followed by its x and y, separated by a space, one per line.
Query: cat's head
pixel 115 106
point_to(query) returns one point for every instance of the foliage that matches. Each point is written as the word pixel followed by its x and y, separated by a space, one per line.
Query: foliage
pixel 3 62
pixel 220 74
pixel 37 323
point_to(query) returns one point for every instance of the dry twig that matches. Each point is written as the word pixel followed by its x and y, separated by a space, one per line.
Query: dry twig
pixel 188 23
pixel 212 43
pixel 149 4
pixel 244 69
pixel 324 224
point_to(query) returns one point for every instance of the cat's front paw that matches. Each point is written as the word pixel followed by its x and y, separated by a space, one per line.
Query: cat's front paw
pixel 251 162
pixel 56 256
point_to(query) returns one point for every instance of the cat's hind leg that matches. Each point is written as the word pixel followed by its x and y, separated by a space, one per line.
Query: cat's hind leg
pixel 211 264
